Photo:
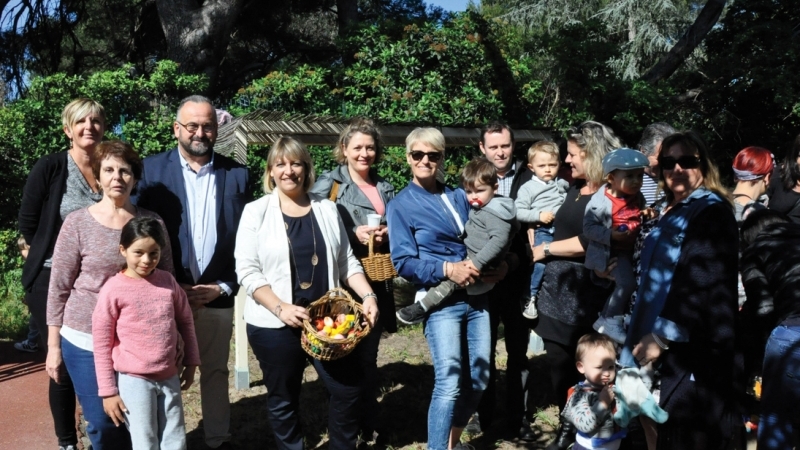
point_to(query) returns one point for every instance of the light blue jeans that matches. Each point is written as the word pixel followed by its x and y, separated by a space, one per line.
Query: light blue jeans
pixel 155 412
pixel 459 337
pixel 781 389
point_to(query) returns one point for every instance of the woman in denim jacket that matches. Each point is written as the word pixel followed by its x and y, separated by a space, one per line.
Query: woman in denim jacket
pixel 683 318
pixel 358 191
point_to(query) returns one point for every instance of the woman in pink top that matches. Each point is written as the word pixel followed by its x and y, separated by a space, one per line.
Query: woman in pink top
pixel 358 190
pixel 139 314
pixel 86 255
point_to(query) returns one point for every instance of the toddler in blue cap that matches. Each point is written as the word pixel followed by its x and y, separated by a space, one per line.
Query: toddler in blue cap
pixel 611 222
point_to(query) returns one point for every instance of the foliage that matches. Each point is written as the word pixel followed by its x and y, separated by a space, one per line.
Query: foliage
pixel 643 30
pixel 754 98
pixel 13 313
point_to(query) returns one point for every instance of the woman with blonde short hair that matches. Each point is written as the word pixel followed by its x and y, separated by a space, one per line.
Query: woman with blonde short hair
pixel 291 248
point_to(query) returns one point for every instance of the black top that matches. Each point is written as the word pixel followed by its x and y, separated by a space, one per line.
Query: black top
pixel 302 232
pixel 39 214
pixel 569 300
pixel 569 218
pixel 781 200
pixel 769 269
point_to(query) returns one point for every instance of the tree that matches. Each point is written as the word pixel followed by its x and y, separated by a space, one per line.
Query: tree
pixel 645 30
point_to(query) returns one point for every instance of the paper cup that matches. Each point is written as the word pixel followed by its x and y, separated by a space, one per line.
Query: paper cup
pixel 373 220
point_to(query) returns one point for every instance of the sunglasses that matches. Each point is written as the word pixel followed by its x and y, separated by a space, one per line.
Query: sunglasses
pixel 433 157
pixel 686 162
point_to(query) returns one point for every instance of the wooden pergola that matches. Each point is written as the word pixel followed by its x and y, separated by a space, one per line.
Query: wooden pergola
pixel 265 127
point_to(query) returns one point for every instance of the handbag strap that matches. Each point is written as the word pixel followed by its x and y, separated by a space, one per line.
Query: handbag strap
pixel 334 191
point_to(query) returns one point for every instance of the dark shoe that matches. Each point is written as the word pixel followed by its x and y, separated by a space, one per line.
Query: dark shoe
pixel 564 438
pixel 223 446
pixel 26 346
pixel 526 433
pixel 474 425
pixel 411 314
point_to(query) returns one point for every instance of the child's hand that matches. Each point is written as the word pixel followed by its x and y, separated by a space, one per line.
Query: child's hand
pixel 607 395
pixel 647 214
pixel 115 409
pixel 546 217
pixel 187 377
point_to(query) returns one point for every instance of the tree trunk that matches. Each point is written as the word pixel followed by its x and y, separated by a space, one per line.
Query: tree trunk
pixel 670 62
pixel 198 35
pixel 347 13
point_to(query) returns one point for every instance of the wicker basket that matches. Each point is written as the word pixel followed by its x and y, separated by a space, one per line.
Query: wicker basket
pixel 377 266
pixel 324 348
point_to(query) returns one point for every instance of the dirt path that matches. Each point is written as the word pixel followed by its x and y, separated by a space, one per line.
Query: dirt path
pixel 25 420
pixel 406 386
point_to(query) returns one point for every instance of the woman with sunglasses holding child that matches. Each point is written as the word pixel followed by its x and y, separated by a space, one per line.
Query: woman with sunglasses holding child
pixel 426 230
pixel 683 316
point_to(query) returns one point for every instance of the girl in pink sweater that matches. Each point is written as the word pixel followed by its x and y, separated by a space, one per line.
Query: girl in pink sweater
pixel 139 314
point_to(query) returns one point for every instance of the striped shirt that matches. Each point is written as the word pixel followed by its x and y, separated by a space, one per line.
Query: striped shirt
pixel 649 189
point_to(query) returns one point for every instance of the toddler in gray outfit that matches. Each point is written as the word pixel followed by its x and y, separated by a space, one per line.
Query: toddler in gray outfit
pixel 489 232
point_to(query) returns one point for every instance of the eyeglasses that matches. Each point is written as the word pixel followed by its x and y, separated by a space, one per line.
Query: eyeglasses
pixel 192 127
pixel 686 162
pixel 433 157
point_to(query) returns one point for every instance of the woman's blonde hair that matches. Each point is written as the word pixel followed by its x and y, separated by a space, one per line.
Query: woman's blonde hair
pixel 430 136
pixel 594 140
pixel 293 150
pixel 358 125
pixel 693 143
pixel 80 108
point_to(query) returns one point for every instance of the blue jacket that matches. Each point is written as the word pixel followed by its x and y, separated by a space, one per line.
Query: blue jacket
pixel 660 254
pixel 162 190
pixel 597 229
pixel 423 233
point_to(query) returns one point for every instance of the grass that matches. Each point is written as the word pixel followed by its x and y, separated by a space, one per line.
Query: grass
pixel 13 318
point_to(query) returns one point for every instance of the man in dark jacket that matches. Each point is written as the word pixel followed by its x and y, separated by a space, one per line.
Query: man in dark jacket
pixel 201 195
pixel 497 144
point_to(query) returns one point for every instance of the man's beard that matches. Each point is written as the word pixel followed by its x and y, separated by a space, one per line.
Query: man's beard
pixel 205 147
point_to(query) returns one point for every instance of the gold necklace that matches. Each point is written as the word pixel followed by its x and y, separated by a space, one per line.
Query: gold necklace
pixel 314 258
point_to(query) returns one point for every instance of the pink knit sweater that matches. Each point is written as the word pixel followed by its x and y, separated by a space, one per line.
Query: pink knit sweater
pixel 135 328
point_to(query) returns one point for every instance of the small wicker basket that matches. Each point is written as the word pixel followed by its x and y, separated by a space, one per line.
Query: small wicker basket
pixel 325 348
pixel 377 266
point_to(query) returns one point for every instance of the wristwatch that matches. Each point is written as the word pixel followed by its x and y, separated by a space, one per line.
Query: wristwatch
pixel 546 249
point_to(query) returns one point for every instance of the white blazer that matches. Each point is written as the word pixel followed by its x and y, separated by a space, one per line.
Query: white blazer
pixel 262 253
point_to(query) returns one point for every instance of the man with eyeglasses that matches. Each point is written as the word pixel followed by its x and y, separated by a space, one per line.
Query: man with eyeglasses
pixel 497 144
pixel 201 195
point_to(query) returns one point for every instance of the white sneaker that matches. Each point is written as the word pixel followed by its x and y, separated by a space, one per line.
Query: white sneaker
pixel 612 327
pixel 530 311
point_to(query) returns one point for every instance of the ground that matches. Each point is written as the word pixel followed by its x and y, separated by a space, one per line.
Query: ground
pixel 406 385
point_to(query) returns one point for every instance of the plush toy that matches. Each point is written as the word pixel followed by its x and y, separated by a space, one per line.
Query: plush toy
pixel 634 399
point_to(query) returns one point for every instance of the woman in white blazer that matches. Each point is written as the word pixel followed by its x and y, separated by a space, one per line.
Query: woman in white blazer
pixel 291 247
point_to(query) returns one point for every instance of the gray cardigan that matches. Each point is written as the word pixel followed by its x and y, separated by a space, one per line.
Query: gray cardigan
pixel 537 196
pixel 597 229
pixel 351 202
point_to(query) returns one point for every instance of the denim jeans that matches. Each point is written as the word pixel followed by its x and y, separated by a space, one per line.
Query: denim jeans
pixel 780 393
pixel 102 432
pixel 540 236
pixel 459 338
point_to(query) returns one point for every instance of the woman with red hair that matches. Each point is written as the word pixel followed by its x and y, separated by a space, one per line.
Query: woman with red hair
pixel 752 169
